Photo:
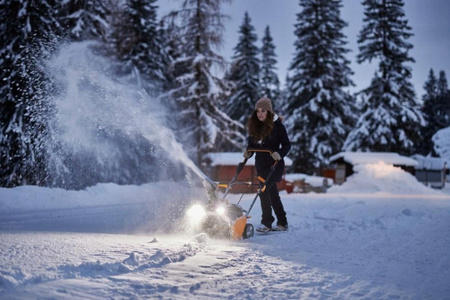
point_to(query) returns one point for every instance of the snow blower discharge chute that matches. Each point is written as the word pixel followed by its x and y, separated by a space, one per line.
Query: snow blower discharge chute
pixel 222 219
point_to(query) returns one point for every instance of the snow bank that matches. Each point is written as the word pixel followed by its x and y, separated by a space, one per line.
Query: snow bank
pixel 102 208
pixel 39 198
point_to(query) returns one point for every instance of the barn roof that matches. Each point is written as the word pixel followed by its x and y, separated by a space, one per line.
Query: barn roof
pixel 358 158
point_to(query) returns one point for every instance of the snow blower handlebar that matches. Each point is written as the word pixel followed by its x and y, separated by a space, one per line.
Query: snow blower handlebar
pixel 241 166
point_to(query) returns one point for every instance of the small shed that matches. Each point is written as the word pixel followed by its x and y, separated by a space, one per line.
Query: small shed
pixel 431 171
pixel 221 167
pixel 343 162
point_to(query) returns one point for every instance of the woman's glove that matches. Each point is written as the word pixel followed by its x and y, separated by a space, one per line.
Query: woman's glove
pixel 276 156
pixel 247 154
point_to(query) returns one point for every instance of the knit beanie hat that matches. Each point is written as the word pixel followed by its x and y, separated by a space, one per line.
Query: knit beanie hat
pixel 264 103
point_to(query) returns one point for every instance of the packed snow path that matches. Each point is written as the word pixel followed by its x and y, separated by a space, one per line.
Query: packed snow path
pixel 98 266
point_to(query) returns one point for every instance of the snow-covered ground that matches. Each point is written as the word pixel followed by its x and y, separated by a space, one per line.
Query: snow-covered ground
pixel 381 235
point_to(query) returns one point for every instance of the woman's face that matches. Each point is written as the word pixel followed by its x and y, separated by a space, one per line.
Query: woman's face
pixel 261 113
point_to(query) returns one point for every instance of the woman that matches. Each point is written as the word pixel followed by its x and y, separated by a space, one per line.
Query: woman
pixel 266 131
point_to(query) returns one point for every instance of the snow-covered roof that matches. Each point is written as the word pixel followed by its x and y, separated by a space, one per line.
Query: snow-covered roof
pixel 234 158
pixel 357 158
pixel 430 163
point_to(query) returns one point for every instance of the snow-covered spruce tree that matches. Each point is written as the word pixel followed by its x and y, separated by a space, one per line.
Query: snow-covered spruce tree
pixel 436 110
pixel 197 99
pixel 27 31
pixel 431 110
pixel 444 95
pixel 270 84
pixel 137 42
pixel 391 119
pixel 244 74
pixel 319 110
pixel 172 47
pixel 283 101
pixel 84 19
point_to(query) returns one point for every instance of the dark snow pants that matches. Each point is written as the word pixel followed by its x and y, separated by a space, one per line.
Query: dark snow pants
pixel 270 198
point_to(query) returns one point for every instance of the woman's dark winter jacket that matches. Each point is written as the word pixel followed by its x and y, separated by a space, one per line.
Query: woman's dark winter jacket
pixel 276 141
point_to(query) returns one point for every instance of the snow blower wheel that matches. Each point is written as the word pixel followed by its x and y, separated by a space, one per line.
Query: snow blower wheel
pixel 249 231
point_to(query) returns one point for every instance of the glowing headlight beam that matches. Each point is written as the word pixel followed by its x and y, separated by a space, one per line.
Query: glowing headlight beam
pixel 196 213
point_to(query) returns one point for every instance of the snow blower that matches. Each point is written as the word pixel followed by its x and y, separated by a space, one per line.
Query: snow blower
pixel 226 220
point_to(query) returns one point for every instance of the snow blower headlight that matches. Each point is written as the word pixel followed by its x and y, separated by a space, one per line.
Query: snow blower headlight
pixel 196 213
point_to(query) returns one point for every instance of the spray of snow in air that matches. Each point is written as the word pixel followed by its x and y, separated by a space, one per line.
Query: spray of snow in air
pixel 94 102
pixel 98 114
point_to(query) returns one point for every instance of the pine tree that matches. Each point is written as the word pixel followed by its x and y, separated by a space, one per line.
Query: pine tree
pixel 444 98
pixel 270 84
pixel 26 36
pixel 244 74
pixel 284 94
pixel 197 98
pixel 320 111
pixel 172 49
pixel 436 111
pixel 138 43
pixel 391 118
pixel 428 109
pixel 85 19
